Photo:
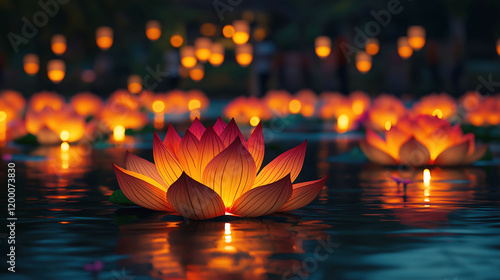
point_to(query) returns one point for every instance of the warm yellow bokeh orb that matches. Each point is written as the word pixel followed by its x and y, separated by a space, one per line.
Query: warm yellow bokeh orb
pixel 176 41
pixel 240 38
pixel 294 106
pixel 189 61
pixel 158 106
pixel 254 121
pixel 228 31
pixel 323 51
pixel 194 104
pixel 343 123
pixel 64 135
pixel 438 113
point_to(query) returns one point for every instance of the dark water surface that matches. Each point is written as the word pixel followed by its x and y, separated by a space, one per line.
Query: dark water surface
pixel 360 227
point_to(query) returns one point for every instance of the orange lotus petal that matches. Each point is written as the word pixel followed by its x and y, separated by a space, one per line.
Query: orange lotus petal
pixel 172 140
pixel 197 128
pixel 194 200
pixel 256 145
pixel 231 173
pixel 477 154
pixel 289 162
pixel 142 166
pixel 219 126
pixel 376 155
pixel 189 156
pixel 263 200
pixel 454 155
pixel 413 153
pixel 395 138
pixel 230 133
pixel 142 190
pixel 210 146
pixel 303 194
pixel 374 140
pixel 165 161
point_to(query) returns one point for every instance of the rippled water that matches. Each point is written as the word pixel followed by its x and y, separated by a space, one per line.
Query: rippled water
pixel 360 227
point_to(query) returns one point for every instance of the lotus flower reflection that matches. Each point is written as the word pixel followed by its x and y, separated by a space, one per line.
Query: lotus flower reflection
pixel 213 171
pixel 424 140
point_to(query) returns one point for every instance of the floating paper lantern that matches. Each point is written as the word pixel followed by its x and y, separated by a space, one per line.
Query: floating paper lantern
pixel 199 185
pixel 247 110
pixel 420 141
pixel 134 84
pixel 440 105
pixel 12 103
pixel 228 31
pixel 481 111
pixel 363 62
pixel 58 44
pixel 31 64
pixel 56 70
pixel 188 57
pixel 372 46
pixel 385 111
pixel 196 73
pixel 498 46
pixel 323 46
pixel 416 37
pixel 176 41
pixel 244 54
pixel 217 54
pixel 104 37
pixel 241 32
pixel 404 48
pixel 202 47
pixel 86 104
pixel 153 30
pixel 208 29
pixel 278 101
pixel 43 99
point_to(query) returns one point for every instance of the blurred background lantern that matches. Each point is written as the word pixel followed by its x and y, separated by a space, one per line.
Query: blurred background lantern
pixel 363 62
pixel 176 41
pixel 244 54
pixel 416 37
pixel 259 34
pixel 208 29
pixel 228 31
pixel 323 46
pixel 188 58
pixel 153 30
pixel 197 72
pixel 31 64
pixel 202 47
pixel 372 46
pixel 241 32
pixel 498 46
pixel 56 70
pixel 134 84
pixel 104 37
pixel 404 48
pixel 217 54
pixel 58 44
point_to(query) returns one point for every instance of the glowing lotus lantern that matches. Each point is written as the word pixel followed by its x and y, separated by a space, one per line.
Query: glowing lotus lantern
pixel 308 100
pixel 348 110
pixel 217 54
pixel 31 64
pixel 241 32
pixel 481 111
pixel 278 101
pixel 228 31
pixel 116 114
pixel 385 112
pixel 124 98
pixel 323 46
pixel 12 103
pixel 372 46
pixel 425 140
pixel 176 101
pixel 441 105
pixel 86 104
pixel 363 62
pixel 244 54
pixel 153 30
pixel 202 47
pixel 176 41
pixel 43 99
pixel 416 37
pixel 404 48
pixel 134 84
pixel 213 171
pixel 58 44
pixel 56 70
pixel 188 57
pixel 197 72
pixel 104 37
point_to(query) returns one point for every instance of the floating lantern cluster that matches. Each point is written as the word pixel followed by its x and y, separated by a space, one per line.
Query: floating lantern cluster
pixel 481 111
